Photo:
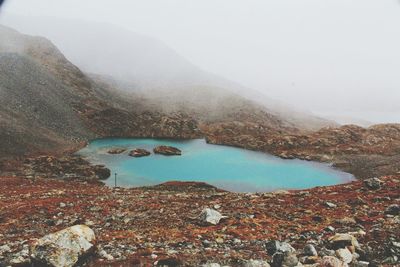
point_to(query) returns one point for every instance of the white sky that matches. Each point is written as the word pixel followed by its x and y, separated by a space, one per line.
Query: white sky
pixel 337 57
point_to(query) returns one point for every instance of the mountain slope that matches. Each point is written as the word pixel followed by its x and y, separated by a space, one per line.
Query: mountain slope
pixel 142 63
pixel 48 104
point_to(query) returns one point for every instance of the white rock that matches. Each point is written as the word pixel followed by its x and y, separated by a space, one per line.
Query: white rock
pixel 256 263
pixel 64 248
pixel 330 205
pixel 344 240
pixel 344 255
pixel 211 265
pixel 105 255
pixel 210 216
pixel 330 261
pixel 361 264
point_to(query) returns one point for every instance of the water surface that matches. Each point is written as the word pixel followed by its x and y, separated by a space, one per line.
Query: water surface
pixel 226 167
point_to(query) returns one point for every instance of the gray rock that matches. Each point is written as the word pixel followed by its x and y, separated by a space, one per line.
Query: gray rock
pixel 309 250
pixel 326 252
pixel 286 259
pixel 211 265
pixel 393 209
pixel 256 263
pixel 278 246
pixel 373 183
pixel 344 255
pixel 210 216
pixel 361 264
pixel 22 257
pixel 64 248
pixel 330 261
pixel 330 205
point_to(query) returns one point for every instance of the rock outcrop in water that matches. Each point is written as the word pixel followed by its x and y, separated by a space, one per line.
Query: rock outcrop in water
pixel 116 150
pixel 139 152
pixel 167 151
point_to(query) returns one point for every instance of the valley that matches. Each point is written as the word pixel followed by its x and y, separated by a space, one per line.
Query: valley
pixel 50 109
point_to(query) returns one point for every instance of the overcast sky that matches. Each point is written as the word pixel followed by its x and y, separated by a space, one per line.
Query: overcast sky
pixel 329 56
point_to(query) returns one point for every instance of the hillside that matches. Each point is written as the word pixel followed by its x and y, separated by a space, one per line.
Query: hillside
pixel 48 104
pixel 142 64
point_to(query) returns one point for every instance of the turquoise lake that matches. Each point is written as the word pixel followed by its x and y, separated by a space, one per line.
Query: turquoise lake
pixel 228 168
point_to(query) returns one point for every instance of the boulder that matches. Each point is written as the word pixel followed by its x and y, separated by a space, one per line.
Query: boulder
pixel 210 216
pixel 344 255
pixel 343 240
pixel 286 259
pixel 116 150
pixel 278 246
pixel 373 183
pixel 167 150
pixel 102 172
pixel 309 250
pixel 139 152
pixel 64 248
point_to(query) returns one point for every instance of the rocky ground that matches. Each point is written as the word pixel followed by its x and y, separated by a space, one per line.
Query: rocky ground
pixel 364 152
pixel 170 225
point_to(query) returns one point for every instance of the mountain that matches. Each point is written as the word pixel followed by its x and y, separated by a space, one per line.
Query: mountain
pixel 49 104
pixel 146 66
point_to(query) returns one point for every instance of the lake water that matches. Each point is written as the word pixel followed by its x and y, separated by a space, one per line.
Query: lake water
pixel 229 168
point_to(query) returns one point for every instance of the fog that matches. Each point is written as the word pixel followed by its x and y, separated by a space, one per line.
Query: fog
pixel 337 58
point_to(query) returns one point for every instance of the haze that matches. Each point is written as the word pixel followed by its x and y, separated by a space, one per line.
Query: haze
pixel 337 58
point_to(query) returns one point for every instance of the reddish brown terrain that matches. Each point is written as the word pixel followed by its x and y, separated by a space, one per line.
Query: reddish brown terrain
pixel 143 226
pixel 45 188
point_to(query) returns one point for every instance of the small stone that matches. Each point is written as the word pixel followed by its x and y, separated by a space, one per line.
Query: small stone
pixel 63 205
pixel 287 259
pixel 330 229
pixel 330 205
pixel 361 264
pixel 211 265
pixel 330 261
pixel 105 255
pixel 219 240
pixel 309 250
pixel 373 183
pixel 256 263
pixel 393 209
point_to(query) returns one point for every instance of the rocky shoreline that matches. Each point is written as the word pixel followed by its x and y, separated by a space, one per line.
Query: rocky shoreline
pixel 45 194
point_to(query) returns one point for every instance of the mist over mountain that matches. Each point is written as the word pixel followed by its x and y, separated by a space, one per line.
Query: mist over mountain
pixel 145 66
pixel 49 104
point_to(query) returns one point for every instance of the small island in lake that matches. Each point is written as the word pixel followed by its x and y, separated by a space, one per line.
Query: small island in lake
pixel 167 151
pixel 139 152
pixel 116 150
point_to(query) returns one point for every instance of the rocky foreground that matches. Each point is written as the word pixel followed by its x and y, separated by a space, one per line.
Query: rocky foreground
pixel 190 224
